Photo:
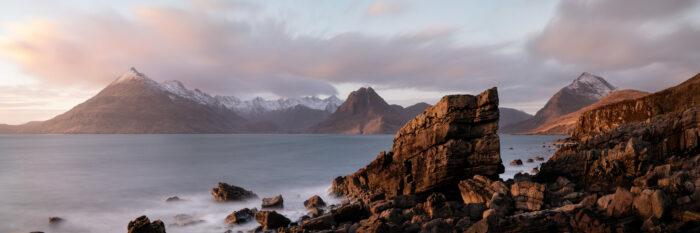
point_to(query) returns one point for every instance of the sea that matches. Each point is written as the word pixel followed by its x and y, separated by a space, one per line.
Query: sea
pixel 98 183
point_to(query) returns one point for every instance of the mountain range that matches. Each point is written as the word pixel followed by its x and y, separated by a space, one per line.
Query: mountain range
pixel 134 103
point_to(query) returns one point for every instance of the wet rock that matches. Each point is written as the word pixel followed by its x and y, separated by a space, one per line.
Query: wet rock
pixel 621 203
pixel 55 220
pixel 271 220
pixel 529 160
pixel 144 225
pixel 276 202
pixel 173 199
pixel 528 195
pixel 241 216
pixel 451 141
pixel 650 203
pixel 182 220
pixel 516 162
pixel 225 192
pixel 314 202
pixel 539 158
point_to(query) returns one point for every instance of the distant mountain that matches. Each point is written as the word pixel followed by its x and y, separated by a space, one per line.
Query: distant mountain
pixel 509 115
pixel 565 124
pixel 260 105
pixel 365 112
pixel 583 91
pixel 297 119
pixel 135 104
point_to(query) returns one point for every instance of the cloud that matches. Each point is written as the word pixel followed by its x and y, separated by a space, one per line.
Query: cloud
pixel 380 8
pixel 648 38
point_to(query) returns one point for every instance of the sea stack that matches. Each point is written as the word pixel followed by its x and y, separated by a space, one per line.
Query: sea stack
pixel 451 141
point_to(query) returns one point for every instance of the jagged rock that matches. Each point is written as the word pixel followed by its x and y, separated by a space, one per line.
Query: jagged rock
pixel 528 195
pixel 144 225
pixel 225 192
pixel 276 202
pixel 374 226
pixel 650 203
pixel 516 162
pixel 480 189
pixel 314 202
pixel 393 216
pixel 271 220
pixel 501 203
pixel 241 216
pixel 451 141
pixel 621 203
pixel 315 212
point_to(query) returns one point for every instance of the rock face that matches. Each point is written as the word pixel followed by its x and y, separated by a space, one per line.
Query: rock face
pixel 528 195
pixel 583 91
pixel 565 125
pixel 271 219
pixel 451 141
pixel 225 192
pixel 480 189
pixel 617 143
pixel 144 225
pixel 365 112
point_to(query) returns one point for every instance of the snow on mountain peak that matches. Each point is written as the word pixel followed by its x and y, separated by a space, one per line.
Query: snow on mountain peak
pixel 590 85
pixel 258 104
pixel 175 87
pixel 130 75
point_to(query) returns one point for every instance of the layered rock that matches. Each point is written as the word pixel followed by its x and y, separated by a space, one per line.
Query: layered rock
pixel 480 189
pixel 241 216
pixel 271 220
pixel 451 141
pixel 528 195
pixel 276 202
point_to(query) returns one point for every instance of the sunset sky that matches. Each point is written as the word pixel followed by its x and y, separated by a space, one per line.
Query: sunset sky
pixel 56 54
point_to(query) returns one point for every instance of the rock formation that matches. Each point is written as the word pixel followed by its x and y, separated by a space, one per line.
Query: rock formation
pixel 241 216
pixel 271 220
pixel 276 202
pixel 225 192
pixel 314 202
pixel 451 141
pixel 144 225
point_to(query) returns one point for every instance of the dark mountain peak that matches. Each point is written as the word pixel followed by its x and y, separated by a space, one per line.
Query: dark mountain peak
pixel 364 100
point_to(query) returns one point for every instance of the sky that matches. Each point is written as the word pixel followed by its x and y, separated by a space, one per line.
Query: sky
pixel 57 54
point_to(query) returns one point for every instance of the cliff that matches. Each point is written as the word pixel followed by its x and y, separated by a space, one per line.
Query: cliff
pixel 451 141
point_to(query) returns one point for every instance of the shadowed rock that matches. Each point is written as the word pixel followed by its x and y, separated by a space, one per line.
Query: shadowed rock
pixel 271 219
pixel 144 225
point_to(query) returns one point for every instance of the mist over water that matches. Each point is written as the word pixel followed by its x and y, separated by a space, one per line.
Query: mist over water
pixel 98 183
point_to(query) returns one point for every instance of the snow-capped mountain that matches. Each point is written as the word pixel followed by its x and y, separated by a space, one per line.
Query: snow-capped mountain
pixel 259 105
pixel 590 85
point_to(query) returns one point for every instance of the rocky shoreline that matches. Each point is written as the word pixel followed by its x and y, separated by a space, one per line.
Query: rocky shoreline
pixel 441 175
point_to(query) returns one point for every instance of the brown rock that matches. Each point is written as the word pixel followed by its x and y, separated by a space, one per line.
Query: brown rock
pixel 350 213
pixel 241 216
pixel 314 202
pixel 501 203
pixel 319 223
pixel 437 226
pixel 621 203
pixel 271 220
pixel 539 158
pixel 55 220
pixel 451 141
pixel 651 203
pixel 225 192
pixel 480 189
pixel 516 162
pixel 276 202
pixel 528 195
pixel 529 160
pixel 144 225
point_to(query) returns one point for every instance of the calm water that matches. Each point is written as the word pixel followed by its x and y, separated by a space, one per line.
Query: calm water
pixel 100 182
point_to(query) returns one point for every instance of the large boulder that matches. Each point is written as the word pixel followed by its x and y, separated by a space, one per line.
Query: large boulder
pixel 621 203
pixel 314 202
pixel 144 225
pixel 271 220
pixel 226 192
pixel 650 203
pixel 451 141
pixel 241 216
